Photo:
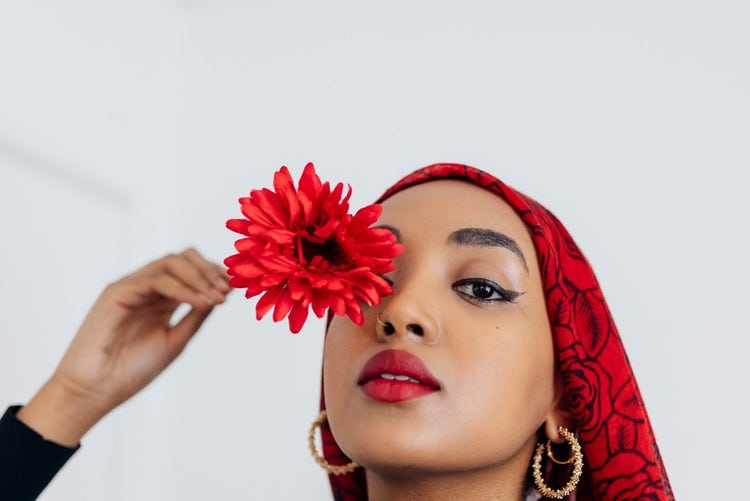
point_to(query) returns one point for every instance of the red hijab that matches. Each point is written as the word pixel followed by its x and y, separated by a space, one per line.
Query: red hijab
pixel 622 460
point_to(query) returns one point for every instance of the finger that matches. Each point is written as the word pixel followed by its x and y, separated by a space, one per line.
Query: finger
pixel 183 269
pixel 172 288
pixel 194 271
pixel 184 330
pixel 146 290
pixel 212 272
pixel 223 272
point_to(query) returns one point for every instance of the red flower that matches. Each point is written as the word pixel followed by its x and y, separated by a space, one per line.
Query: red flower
pixel 303 249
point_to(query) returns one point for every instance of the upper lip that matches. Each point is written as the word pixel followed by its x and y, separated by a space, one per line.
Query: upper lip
pixel 397 363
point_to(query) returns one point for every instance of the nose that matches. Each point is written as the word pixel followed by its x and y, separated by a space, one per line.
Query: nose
pixel 407 320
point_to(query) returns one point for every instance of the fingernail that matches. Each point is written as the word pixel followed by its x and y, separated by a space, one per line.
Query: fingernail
pixel 221 284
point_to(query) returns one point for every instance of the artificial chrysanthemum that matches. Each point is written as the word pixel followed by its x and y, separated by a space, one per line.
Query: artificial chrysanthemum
pixel 303 249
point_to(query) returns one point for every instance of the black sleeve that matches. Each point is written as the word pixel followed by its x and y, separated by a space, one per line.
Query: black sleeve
pixel 27 461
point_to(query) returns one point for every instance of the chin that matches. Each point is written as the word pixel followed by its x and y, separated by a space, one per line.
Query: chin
pixel 398 449
pixel 397 453
pixel 384 445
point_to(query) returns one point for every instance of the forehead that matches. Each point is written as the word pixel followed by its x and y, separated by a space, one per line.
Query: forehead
pixel 446 205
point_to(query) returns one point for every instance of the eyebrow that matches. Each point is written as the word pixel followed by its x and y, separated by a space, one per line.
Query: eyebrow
pixel 484 237
pixel 475 237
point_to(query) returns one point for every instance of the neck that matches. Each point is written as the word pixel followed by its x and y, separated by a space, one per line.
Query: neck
pixel 497 483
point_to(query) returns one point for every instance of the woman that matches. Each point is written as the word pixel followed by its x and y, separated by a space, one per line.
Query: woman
pixel 496 337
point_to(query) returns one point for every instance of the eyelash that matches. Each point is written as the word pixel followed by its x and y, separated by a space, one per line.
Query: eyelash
pixel 505 295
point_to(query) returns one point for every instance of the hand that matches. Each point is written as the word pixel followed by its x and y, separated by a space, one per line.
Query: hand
pixel 125 341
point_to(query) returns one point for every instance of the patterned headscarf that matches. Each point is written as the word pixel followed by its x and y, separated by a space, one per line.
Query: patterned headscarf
pixel 622 460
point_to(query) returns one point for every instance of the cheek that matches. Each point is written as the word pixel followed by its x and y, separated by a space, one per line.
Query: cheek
pixel 505 380
pixel 340 353
pixel 344 352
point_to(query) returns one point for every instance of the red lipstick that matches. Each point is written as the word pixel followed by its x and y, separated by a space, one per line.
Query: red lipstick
pixel 394 376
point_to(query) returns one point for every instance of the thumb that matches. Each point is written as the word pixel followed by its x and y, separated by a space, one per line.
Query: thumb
pixel 182 332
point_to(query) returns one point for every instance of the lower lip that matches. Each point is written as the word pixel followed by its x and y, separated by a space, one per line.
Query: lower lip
pixel 393 391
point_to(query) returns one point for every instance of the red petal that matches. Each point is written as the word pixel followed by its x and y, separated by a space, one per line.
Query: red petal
pixel 283 305
pixel 272 280
pixel 338 306
pixel 278 263
pixel 320 303
pixel 354 310
pixel 368 294
pixel 233 259
pixel 284 185
pixel 267 301
pixel 238 225
pixel 309 188
pixel 365 217
pixel 280 236
pixel 309 182
pixel 249 269
pixel 325 230
pixel 298 289
pixel 297 318
pixel 266 208
pixel 253 289
pixel 238 282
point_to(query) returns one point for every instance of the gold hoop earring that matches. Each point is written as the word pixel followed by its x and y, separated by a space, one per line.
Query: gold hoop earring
pixel 330 468
pixel 576 457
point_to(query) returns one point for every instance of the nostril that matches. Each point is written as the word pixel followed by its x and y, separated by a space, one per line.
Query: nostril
pixel 388 328
pixel 415 329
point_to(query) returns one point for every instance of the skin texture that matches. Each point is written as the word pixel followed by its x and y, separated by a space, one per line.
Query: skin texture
pixel 473 438
pixel 125 341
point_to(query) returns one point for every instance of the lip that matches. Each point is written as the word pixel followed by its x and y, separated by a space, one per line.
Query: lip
pixel 406 377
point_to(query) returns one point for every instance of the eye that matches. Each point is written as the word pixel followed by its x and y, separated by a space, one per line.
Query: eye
pixel 387 279
pixel 481 290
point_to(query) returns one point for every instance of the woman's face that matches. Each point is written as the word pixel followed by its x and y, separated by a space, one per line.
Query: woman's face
pixel 461 376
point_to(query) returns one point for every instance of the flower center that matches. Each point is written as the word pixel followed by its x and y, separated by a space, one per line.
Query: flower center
pixel 330 251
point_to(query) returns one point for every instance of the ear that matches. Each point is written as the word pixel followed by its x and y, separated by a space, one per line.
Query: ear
pixel 559 414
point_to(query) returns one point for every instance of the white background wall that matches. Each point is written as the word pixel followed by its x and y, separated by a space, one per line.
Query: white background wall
pixel 129 129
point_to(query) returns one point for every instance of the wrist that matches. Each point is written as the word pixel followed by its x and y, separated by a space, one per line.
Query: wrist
pixel 60 415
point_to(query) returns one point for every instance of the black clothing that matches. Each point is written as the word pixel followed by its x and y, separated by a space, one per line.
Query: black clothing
pixel 28 462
